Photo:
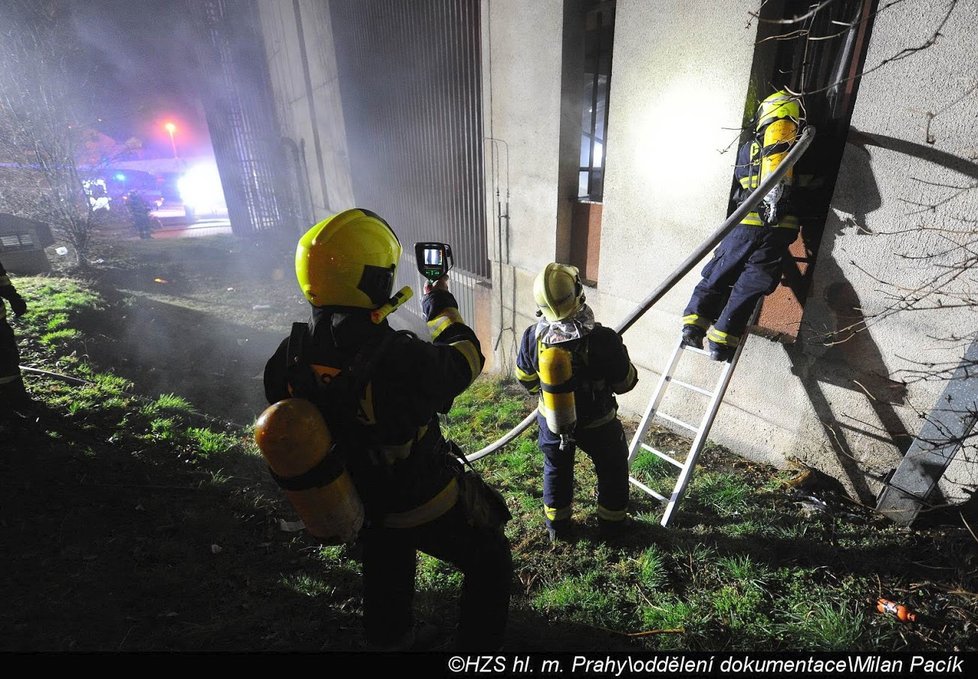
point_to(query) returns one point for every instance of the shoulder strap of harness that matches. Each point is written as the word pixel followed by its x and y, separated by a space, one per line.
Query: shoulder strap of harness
pixel 361 368
pixel 297 369
pixel 355 376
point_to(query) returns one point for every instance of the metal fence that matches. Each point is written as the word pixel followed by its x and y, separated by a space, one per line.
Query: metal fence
pixel 237 97
pixel 410 81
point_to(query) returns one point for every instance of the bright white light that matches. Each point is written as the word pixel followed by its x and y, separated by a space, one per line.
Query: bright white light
pixel 200 189
pixel 680 137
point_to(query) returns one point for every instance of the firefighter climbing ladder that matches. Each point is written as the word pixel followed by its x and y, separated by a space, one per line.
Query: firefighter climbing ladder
pixel 716 396
pixel 699 431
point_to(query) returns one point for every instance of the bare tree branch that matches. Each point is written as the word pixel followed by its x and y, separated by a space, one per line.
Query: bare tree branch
pixel 797 19
pixel 41 138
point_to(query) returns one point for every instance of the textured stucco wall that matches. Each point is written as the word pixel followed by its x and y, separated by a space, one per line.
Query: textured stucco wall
pixel 881 235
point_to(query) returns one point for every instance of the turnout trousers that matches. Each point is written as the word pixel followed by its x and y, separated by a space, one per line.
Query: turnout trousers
pixel 11 384
pixel 389 565
pixel 606 446
pixel 745 267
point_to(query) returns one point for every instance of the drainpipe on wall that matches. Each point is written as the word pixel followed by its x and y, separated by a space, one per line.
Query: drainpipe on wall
pixel 313 119
pixel 302 180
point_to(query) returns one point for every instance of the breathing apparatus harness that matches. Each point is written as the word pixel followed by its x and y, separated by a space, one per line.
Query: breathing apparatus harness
pixel 777 126
pixel 341 394
pixel 559 382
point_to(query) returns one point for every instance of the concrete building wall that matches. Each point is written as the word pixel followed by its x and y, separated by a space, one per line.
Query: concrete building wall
pixel 521 71
pixel 674 119
pixel 309 111
pixel 681 72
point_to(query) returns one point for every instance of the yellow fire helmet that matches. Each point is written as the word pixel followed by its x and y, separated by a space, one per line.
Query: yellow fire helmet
pixel 779 105
pixel 348 260
pixel 558 291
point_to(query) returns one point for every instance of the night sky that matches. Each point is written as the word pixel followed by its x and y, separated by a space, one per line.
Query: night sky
pixel 141 62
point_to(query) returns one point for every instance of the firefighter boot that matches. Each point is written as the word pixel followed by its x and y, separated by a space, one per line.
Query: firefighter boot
pixel 693 336
pixel 614 531
pixel 14 397
pixel 721 352
pixel 558 531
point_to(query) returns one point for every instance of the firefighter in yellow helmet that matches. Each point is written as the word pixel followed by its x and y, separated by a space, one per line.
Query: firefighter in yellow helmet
pixel 748 262
pixel 577 366
pixel 380 392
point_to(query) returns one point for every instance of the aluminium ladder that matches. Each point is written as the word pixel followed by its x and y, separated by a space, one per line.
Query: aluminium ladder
pixel 700 431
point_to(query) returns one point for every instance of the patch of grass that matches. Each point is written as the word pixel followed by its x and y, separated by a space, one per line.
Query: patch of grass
pixel 58 337
pixel 307 585
pixel 581 598
pixel 167 403
pixel 49 296
pixel 824 626
pixel 218 477
pixel 56 321
pixel 724 492
pixel 749 526
pixel 521 459
pixel 163 429
pixel 652 572
pixel 669 612
pixel 485 411
pixel 746 572
pixel 116 402
pixel 433 574
pixel 333 553
pixel 739 608
pixel 208 442
pixel 651 467
pixel 112 385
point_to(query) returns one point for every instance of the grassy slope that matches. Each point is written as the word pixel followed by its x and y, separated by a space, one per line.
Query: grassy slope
pixel 156 528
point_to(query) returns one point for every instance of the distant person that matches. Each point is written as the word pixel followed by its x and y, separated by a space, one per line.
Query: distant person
pixel 577 366
pixel 139 211
pixel 99 201
pixel 13 395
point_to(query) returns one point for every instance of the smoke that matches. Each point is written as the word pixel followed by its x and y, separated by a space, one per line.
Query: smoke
pixel 139 62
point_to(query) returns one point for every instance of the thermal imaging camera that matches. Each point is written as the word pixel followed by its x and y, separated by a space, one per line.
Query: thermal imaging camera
pixel 434 259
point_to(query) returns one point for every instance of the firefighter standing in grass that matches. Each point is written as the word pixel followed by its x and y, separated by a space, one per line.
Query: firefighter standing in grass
pixel 747 264
pixel 379 392
pixel 577 366
pixel 13 395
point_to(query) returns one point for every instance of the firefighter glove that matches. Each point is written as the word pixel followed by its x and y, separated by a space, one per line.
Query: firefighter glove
pixel 18 304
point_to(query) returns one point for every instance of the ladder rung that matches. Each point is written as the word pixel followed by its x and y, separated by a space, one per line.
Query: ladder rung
pixel 701 352
pixel 692 387
pixel 657 496
pixel 670 418
pixel 659 453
